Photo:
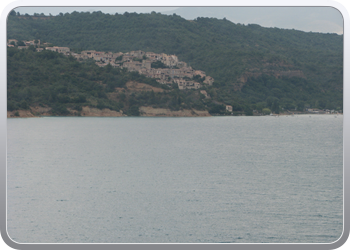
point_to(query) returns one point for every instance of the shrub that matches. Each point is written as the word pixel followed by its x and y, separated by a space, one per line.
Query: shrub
pixel 60 110
pixel 11 106
pixel 266 111
pixel 134 111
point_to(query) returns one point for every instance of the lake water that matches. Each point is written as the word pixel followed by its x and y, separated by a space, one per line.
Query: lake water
pixel 175 180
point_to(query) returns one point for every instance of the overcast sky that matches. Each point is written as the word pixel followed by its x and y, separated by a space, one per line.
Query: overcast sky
pixel 315 19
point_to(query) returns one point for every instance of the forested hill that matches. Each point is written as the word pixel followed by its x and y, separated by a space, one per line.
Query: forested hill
pixel 249 63
pixel 59 84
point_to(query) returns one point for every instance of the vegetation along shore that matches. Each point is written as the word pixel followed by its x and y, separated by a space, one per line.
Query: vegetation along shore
pixel 95 64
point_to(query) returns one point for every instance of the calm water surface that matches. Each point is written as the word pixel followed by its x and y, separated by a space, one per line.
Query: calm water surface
pixel 185 180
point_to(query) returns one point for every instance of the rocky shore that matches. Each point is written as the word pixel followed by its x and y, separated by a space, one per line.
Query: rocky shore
pixel 94 112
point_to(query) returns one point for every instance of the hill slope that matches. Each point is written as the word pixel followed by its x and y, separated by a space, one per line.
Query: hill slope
pixel 251 65
pixel 60 85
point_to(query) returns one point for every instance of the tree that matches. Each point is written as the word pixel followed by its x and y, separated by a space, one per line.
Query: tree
pixel 275 107
pixel 134 111
pixel 108 68
pixel 225 62
pixel 217 109
pixel 300 106
pixel 60 109
pixel 11 106
pixel 266 111
pixel 248 111
pixel 119 58
pixel 158 65
pixel 24 105
pixel 260 106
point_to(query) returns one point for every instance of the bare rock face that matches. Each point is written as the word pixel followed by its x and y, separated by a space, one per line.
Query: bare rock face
pixel 276 73
pixel 45 111
pixel 149 111
pixel 87 111
pixel 32 112
pixel 19 114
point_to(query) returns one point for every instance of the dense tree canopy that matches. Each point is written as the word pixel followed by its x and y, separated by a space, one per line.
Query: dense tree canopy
pixel 50 79
pixel 224 50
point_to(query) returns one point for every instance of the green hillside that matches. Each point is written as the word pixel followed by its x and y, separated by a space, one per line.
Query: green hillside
pixel 253 67
pixel 50 79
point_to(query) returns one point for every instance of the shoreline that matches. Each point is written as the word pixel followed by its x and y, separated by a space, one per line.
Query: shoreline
pixel 37 112
pixel 145 111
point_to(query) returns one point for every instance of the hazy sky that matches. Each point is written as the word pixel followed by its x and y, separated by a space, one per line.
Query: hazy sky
pixel 315 19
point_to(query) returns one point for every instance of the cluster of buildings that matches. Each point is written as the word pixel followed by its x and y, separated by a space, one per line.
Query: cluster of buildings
pixel 173 70
pixel 26 44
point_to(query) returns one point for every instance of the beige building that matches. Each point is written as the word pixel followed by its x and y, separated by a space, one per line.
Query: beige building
pixel 146 64
pixel 63 50
pixel 208 80
pixel 87 54
pixel 28 43
pixel 199 72
pixel 138 54
pixel 153 56
pixel 9 41
pixel 183 84
pixel 169 61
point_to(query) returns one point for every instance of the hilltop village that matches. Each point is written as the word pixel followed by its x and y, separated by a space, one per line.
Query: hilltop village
pixel 166 69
